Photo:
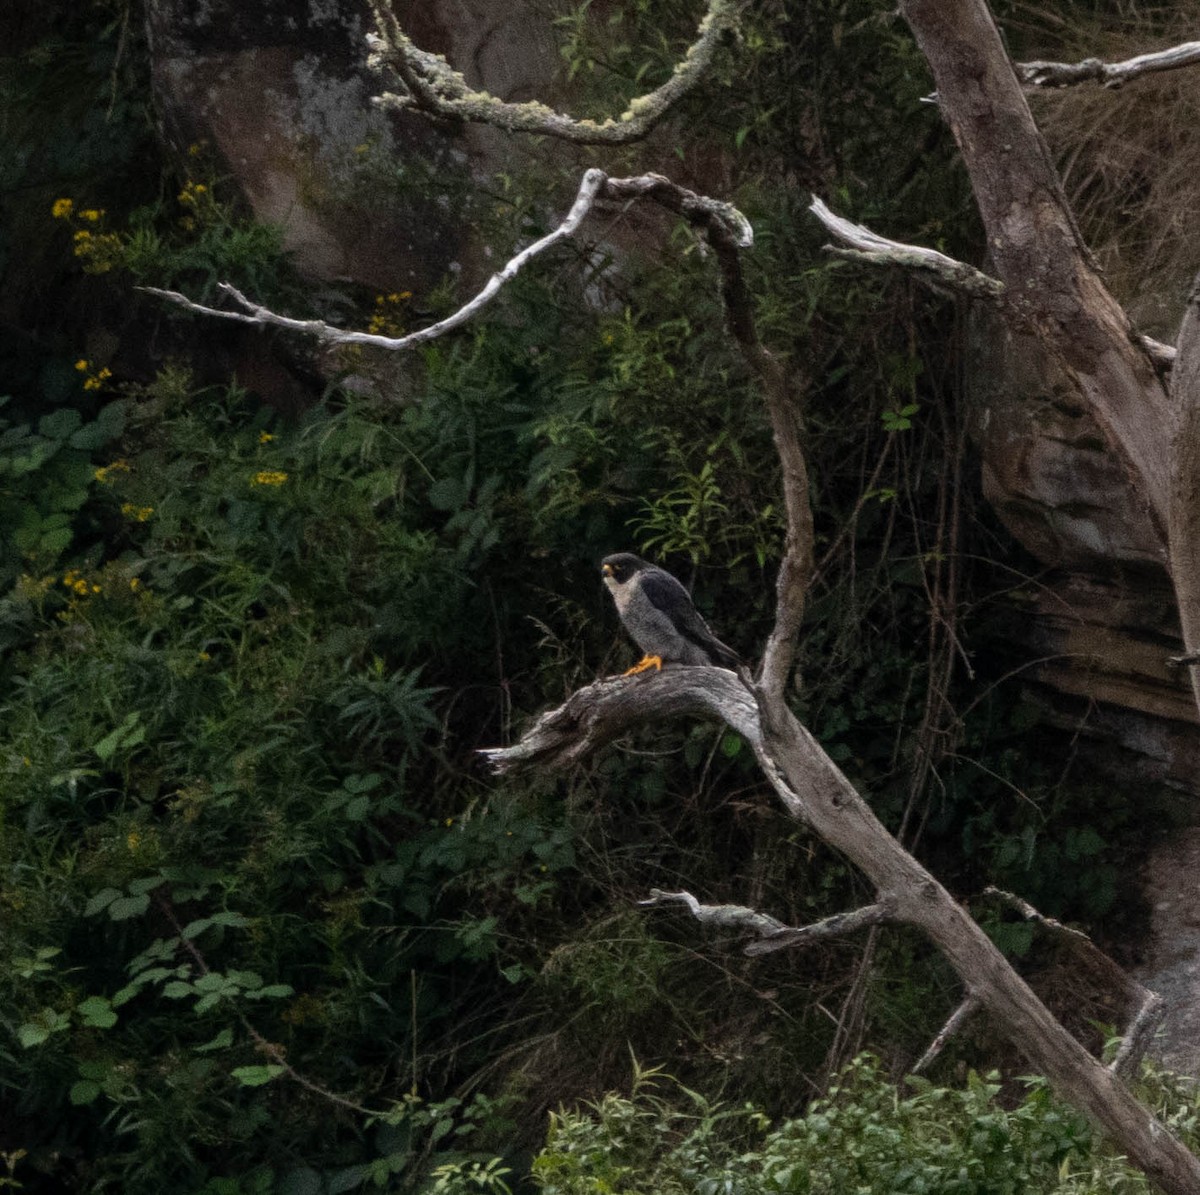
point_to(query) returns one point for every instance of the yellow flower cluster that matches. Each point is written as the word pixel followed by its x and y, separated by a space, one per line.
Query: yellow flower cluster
pixel 265 437
pixel 99 251
pixel 387 319
pixel 95 378
pixel 138 513
pixel 75 581
pixel 269 477
pixel 105 472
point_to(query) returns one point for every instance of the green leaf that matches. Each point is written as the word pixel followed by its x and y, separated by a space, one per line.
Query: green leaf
pixel 146 884
pixel 101 901
pixel 177 989
pixel 83 1092
pixel 223 1039
pixel 256 1076
pixel 193 929
pixel 30 1034
pixel 97 1013
pixel 128 906
pixel 234 920
pixel 60 424
pixel 357 808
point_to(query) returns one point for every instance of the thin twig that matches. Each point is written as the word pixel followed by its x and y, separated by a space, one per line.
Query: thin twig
pixel 953 1024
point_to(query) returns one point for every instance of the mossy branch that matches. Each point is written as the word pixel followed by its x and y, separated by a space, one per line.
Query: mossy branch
pixel 431 84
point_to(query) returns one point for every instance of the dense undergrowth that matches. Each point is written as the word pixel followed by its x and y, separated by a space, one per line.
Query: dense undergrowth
pixel 265 925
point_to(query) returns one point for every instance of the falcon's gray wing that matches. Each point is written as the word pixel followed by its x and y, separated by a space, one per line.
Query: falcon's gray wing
pixel 665 593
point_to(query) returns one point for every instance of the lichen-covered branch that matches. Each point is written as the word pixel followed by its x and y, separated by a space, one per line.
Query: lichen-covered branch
pixel 774 933
pixel 867 246
pixel 953 1024
pixel 1109 74
pixel 431 84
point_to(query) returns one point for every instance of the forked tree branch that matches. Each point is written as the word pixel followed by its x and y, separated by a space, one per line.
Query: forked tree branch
pixel 1109 74
pixel 431 84
pixel 1149 1006
pixel 815 791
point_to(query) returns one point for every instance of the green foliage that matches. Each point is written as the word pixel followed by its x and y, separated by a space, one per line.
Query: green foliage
pixel 863 1138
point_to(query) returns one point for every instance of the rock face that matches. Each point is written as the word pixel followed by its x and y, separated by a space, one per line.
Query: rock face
pixel 1101 621
pixel 279 92
pixel 1173 970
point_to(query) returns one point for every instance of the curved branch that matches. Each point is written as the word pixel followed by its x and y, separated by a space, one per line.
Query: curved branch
pixel 1109 74
pixel 433 85
pixel 592 182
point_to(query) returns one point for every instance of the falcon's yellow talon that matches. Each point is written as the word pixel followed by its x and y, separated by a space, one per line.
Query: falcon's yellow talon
pixel 643 664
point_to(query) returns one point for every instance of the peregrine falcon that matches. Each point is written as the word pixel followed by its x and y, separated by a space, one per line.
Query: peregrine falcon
pixel 659 614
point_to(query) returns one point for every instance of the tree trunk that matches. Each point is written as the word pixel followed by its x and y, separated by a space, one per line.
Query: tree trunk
pixel 843 819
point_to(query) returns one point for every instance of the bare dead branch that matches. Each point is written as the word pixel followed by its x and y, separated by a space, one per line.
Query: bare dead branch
pixel 598 713
pixel 868 246
pixel 835 926
pixel 721 916
pixel 593 181
pixel 775 935
pixel 1109 74
pixel 431 84
pixel 1138 1036
pixel 953 1024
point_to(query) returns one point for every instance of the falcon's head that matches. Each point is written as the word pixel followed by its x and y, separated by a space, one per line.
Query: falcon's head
pixel 621 568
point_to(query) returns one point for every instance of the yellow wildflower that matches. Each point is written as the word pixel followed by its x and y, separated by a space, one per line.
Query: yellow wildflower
pixel 203 657
pixel 138 513
pixel 80 586
pixel 194 149
pixel 269 477
pixel 133 840
pixel 81 364
pixel 62 209
pixel 135 583
pixel 91 215
pixel 118 466
pixel 80 236
pixel 265 437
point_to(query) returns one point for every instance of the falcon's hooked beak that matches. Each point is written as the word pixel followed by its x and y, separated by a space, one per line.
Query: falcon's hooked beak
pixel 606 570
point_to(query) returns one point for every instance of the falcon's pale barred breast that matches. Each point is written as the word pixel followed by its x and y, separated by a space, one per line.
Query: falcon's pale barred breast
pixel 659 614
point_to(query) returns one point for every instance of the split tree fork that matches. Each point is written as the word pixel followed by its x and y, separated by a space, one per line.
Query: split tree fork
pixel 1045 281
